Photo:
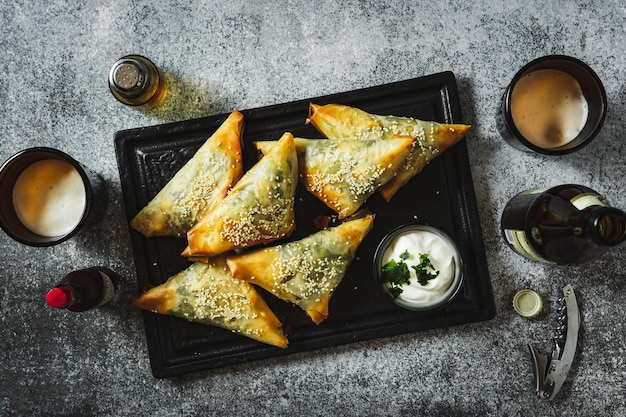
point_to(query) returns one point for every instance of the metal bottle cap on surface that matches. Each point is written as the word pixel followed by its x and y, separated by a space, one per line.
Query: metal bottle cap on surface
pixel 527 303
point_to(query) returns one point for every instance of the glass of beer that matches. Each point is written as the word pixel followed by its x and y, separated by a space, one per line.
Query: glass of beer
pixel 554 105
pixel 46 196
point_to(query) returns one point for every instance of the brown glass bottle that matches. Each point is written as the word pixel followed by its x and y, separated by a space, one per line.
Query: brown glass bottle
pixel 83 289
pixel 135 81
pixel 566 225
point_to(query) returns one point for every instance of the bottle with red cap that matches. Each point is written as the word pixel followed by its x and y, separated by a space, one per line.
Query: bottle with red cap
pixel 83 289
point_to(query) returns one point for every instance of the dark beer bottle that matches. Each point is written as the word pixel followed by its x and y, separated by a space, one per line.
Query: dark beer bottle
pixel 566 225
pixel 83 289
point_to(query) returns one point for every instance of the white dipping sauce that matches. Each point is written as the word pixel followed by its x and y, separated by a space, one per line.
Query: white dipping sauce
pixel 49 197
pixel 440 256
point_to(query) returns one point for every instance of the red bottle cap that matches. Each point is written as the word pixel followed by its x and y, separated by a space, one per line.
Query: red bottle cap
pixel 56 298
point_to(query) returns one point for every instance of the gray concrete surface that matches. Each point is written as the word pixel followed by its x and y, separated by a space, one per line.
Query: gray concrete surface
pixel 227 54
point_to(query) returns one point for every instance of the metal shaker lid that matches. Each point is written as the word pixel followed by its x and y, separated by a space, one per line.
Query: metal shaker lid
pixel 129 76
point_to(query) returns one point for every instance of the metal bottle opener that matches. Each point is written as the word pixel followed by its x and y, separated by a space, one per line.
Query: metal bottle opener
pixel 551 370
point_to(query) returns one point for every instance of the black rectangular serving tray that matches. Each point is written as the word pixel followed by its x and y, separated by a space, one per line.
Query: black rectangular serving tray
pixel 441 195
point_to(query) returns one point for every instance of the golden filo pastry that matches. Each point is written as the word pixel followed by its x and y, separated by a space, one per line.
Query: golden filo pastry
pixel 195 189
pixel 336 121
pixel 208 294
pixel 258 209
pixel 305 272
pixel 344 173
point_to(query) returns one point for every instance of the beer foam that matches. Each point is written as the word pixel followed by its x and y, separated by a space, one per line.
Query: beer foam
pixel 49 197
pixel 549 108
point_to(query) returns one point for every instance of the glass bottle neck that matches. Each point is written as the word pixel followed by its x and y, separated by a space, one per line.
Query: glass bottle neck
pixel 61 296
pixel 607 226
pixel 70 293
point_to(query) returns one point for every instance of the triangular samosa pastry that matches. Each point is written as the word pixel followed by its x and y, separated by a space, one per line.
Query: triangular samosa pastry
pixel 202 182
pixel 258 209
pixel 208 294
pixel 345 173
pixel 305 272
pixel 336 121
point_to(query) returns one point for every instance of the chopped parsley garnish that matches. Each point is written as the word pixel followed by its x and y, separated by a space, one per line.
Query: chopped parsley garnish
pixel 396 273
pixel 423 270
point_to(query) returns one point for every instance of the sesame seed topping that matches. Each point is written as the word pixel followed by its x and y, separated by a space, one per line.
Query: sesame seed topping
pixel 307 270
pixel 259 222
pixel 343 173
pixel 208 294
pixel 306 274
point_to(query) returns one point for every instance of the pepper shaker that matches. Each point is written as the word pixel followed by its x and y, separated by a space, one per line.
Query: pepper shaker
pixel 135 81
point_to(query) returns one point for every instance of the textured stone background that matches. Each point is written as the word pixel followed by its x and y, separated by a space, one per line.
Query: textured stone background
pixel 225 54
